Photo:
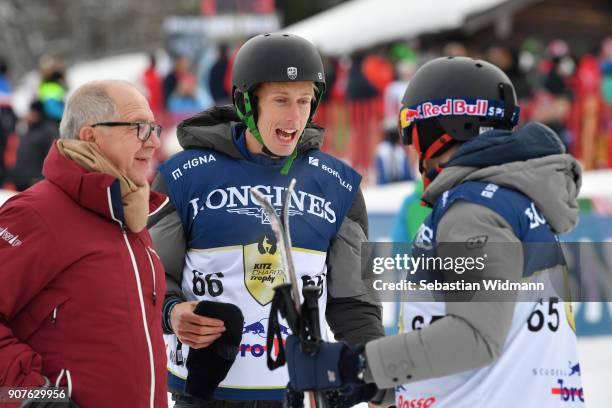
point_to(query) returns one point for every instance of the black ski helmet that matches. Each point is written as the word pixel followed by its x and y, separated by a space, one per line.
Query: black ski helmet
pixel 455 99
pixel 273 58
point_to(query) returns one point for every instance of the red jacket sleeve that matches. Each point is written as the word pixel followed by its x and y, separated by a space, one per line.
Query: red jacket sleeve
pixel 28 261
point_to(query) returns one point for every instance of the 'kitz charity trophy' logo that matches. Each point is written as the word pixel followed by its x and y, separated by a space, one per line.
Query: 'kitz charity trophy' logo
pixel 262 269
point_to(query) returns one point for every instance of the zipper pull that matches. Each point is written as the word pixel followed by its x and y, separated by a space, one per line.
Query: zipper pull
pixel 54 316
pixel 154 298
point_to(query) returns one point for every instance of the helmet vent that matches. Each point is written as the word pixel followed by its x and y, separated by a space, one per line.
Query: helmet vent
pixel 479 65
pixel 285 35
pixel 266 35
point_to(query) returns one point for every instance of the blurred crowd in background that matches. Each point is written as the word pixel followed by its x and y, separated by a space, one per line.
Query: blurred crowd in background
pixel 570 93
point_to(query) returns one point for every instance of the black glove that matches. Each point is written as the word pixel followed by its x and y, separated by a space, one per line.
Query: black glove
pixel 334 368
pixel 209 366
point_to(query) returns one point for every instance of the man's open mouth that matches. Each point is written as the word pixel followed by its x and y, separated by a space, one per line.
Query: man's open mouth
pixel 286 135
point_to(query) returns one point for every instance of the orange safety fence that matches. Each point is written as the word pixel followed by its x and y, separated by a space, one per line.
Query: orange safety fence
pixel 352 130
pixel 590 121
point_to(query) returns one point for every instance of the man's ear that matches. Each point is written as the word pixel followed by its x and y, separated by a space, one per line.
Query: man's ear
pixel 86 134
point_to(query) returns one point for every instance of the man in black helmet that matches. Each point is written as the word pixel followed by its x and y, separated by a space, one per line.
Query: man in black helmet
pixel 494 192
pixel 216 243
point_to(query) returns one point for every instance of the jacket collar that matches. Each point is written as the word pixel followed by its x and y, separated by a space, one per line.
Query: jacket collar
pixel 98 192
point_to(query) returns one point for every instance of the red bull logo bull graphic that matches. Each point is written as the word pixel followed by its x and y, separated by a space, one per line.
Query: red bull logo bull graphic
pixel 407 116
pixel 255 349
pixel 255 328
pixel 259 328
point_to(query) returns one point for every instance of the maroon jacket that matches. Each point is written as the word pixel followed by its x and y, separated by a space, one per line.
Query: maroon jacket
pixel 78 292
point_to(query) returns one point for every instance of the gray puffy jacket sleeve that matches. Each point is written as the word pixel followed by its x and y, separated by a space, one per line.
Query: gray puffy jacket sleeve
pixel 169 240
pixel 353 314
pixel 472 334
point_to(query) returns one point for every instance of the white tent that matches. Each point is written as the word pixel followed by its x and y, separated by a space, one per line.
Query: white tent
pixel 358 24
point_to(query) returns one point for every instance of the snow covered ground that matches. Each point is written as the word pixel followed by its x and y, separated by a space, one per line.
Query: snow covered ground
pixel 596 368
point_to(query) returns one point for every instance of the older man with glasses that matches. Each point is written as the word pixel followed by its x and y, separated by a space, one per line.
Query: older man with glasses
pixel 81 288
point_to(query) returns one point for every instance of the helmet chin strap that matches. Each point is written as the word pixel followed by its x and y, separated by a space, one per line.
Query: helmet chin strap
pixel 428 177
pixel 248 118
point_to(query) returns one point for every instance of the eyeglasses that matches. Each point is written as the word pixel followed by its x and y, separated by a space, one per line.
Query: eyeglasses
pixel 143 130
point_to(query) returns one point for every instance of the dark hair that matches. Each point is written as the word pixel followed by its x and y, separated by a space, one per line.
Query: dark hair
pixel 55 76
pixel 38 107
pixel 3 66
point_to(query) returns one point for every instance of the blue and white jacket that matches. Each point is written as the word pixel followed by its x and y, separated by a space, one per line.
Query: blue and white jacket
pixel 506 195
